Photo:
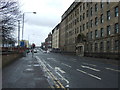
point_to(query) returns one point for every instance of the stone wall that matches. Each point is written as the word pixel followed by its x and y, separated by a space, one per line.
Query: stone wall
pixel 8 58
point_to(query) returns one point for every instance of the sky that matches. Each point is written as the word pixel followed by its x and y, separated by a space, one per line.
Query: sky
pixel 48 15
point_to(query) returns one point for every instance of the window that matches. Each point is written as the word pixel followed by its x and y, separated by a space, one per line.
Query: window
pixel 101 18
pixel 101 32
pixel 101 4
pixel 91 23
pixel 116 44
pixel 116 11
pixel 91 47
pixel 83 27
pixel 96 21
pixel 87 13
pixel 96 46
pixel 116 28
pixel 80 8
pixel 87 4
pixel 80 17
pixel 91 11
pixel 87 35
pixel 77 30
pixel 87 25
pixel 108 15
pixel 101 46
pixel 96 7
pixel 108 30
pixel 91 34
pixel 96 33
pixel 80 29
pixel 83 6
pixel 83 16
pixel 108 45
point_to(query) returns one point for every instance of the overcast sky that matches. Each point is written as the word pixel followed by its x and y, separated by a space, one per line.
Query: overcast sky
pixel 38 26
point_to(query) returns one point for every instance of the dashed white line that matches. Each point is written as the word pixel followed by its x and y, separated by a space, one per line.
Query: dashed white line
pixel 89 74
pixel 112 69
pixel 58 69
pixel 66 65
pixel 90 68
pixel 89 64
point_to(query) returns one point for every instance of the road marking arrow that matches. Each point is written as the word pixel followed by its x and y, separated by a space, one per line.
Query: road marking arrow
pixel 58 69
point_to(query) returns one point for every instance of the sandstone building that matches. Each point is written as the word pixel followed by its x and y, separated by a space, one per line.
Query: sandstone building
pixel 91 29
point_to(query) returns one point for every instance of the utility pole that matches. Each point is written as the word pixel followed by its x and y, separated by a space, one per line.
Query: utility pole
pixel 18 32
pixel 23 26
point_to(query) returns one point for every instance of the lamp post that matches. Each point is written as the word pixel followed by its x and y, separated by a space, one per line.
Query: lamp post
pixel 23 22
pixel 18 32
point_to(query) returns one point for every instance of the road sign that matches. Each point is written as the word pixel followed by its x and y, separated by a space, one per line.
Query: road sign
pixel 22 43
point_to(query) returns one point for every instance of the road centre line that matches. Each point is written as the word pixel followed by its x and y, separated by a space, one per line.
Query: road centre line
pixel 66 65
pixel 89 74
pixel 112 69
pixel 89 64
pixel 90 68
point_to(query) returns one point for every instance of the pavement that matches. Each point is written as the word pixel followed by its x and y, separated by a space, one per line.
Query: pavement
pixel 24 73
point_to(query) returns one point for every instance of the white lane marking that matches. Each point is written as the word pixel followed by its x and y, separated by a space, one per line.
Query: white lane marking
pixel 63 78
pixel 50 66
pixel 89 74
pixel 58 69
pixel 74 60
pixel 50 74
pixel 112 69
pixel 44 61
pixel 66 65
pixel 89 64
pixel 90 68
pixel 53 59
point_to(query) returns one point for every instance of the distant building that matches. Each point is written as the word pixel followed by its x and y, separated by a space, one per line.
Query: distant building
pixel 48 42
pixel 91 29
pixel 43 45
pixel 55 37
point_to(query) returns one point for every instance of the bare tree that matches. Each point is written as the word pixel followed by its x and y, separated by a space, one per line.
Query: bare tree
pixel 9 11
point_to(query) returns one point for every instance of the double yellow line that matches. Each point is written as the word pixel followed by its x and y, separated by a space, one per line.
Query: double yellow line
pixel 57 83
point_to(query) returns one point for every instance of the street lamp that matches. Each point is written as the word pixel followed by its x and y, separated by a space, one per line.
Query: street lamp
pixel 23 22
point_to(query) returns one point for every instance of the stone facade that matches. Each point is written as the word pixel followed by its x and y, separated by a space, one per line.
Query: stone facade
pixel 91 29
pixel 55 37
pixel 48 42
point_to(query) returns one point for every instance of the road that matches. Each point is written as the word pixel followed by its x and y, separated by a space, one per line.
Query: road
pixel 60 71
pixel 79 72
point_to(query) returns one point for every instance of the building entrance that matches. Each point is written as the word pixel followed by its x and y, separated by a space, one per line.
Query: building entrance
pixel 80 50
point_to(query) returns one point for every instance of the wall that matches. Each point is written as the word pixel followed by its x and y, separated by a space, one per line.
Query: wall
pixel 8 58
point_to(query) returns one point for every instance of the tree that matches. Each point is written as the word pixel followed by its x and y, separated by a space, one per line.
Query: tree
pixel 10 13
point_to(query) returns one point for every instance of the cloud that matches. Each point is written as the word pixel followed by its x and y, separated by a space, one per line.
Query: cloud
pixel 49 12
pixel 40 20
pixel 36 34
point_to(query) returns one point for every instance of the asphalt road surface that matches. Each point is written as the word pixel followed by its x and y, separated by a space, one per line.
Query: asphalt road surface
pixel 79 72
pixel 65 71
